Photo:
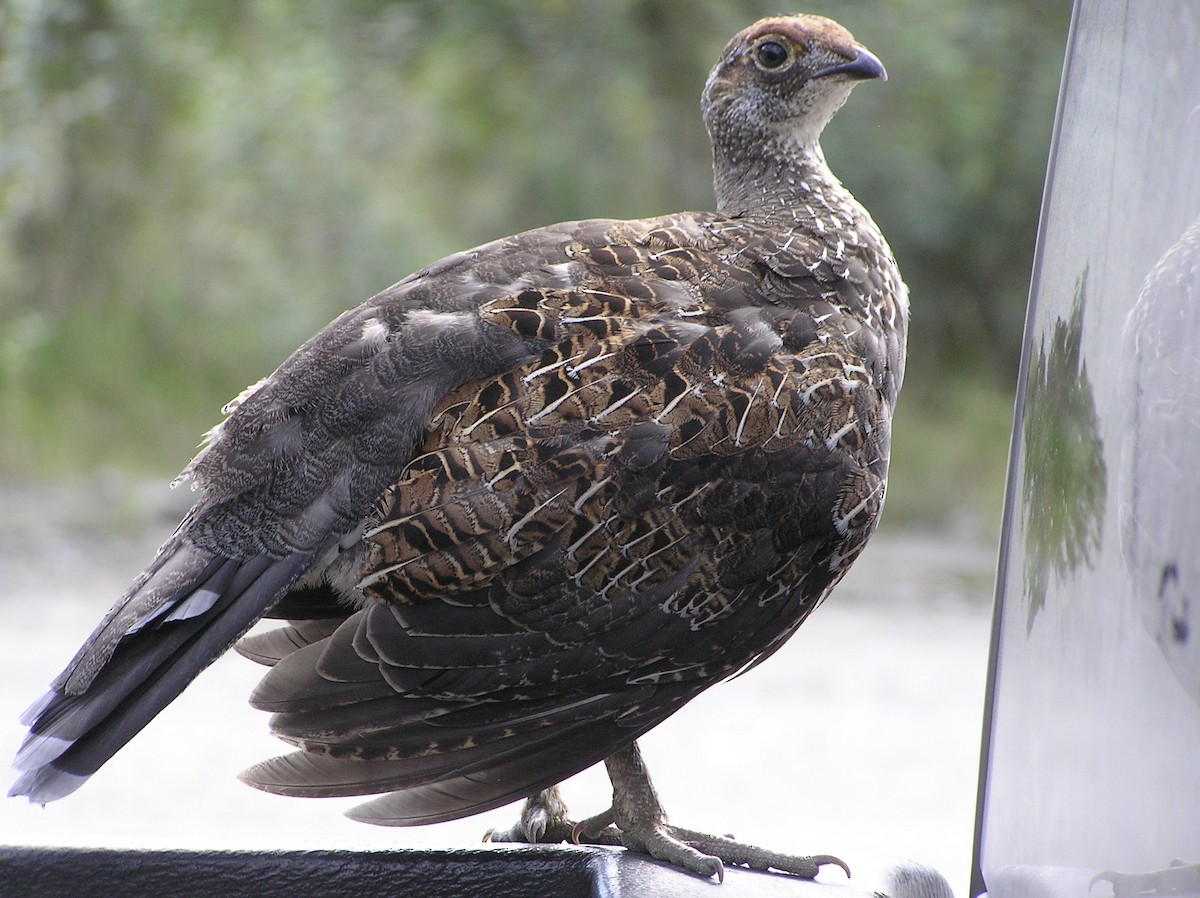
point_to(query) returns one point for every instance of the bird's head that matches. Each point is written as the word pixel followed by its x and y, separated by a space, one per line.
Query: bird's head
pixel 782 79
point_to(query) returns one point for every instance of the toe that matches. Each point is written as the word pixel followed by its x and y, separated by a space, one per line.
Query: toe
pixel 535 824
pixel 590 829
pixel 661 845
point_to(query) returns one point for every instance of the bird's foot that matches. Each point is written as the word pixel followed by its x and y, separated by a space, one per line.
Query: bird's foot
pixel 730 852
pixel 543 820
pixel 637 822
pixel 701 853
pixel 640 824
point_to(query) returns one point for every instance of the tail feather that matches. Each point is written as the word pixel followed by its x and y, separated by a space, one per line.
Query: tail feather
pixel 176 571
pixel 158 650
pixel 68 710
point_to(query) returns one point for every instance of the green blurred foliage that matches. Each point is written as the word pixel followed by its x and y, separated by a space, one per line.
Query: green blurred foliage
pixel 1065 479
pixel 189 189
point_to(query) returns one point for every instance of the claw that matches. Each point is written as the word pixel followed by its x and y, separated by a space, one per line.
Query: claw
pixel 822 860
pixel 592 827
pixel 535 826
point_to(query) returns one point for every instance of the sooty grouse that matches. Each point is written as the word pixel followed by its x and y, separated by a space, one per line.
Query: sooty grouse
pixel 525 504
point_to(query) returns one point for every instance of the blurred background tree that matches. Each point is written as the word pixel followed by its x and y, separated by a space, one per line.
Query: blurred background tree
pixel 189 190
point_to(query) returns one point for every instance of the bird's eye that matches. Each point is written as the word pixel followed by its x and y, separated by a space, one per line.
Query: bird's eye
pixel 771 54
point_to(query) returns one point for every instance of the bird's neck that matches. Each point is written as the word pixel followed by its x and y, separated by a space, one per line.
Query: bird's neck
pixel 776 181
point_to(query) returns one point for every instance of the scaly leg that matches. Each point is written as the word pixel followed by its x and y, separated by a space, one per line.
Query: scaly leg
pixel 637 821
pixel 639 816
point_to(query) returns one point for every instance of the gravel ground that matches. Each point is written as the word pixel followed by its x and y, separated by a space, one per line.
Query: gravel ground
pixel 859 738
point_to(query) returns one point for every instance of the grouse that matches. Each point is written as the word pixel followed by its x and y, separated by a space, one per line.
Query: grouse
pixel 525 504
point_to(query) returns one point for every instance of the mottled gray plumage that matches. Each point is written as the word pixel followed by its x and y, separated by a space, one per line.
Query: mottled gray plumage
pixel 526 503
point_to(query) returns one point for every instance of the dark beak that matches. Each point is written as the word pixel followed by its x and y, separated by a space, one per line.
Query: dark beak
pixel 863 67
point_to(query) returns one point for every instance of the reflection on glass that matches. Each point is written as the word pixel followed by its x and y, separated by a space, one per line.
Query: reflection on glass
pixel 1159 526
pixel 1178 879
pixel 1065 477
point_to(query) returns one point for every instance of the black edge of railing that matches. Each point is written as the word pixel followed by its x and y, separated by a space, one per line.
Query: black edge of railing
pixel 514 873
pixel 493 871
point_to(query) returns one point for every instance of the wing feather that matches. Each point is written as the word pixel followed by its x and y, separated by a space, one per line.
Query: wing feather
pixel 273 646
